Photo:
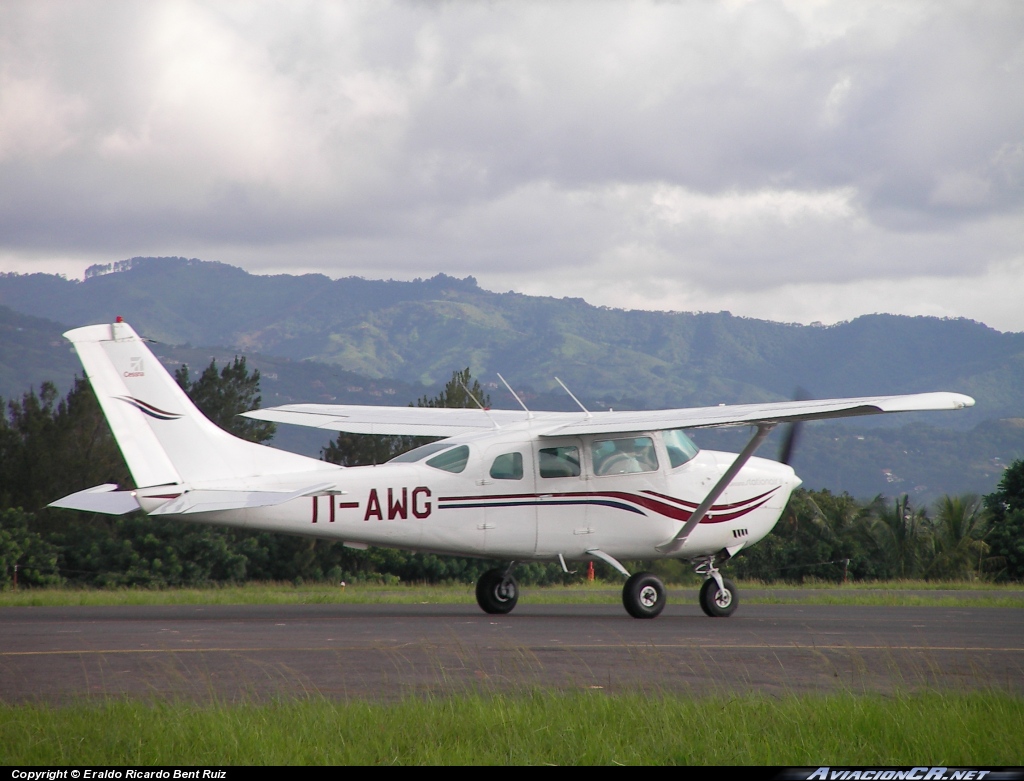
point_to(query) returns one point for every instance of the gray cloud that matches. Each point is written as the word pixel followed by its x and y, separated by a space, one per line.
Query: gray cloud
pixel 642 154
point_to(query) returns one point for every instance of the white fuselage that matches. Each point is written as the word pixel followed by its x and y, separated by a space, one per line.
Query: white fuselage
pixel 626 515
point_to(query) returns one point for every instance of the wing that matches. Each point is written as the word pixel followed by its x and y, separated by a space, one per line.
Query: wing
pixel 441 422
pixel 748 414
pixel 414 421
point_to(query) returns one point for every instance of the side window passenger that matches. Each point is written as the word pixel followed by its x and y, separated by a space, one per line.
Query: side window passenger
pixel 559 462
pixel 508 466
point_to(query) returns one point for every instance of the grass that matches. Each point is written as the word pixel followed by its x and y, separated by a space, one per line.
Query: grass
pixel 526 726
pixel 902 593
pixel 573 728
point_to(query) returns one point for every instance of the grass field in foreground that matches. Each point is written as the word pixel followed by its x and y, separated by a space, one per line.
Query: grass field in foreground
pixel 905 593
pixel 531 728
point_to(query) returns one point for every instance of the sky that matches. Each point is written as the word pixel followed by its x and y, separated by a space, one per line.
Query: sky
pixel 796 161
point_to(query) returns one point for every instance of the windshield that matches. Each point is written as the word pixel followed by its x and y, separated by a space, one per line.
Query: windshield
pixel 679 446
pixel 450 458
pixel 453 460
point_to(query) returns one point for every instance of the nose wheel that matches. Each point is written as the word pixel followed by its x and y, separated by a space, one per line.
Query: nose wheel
pixel 718 601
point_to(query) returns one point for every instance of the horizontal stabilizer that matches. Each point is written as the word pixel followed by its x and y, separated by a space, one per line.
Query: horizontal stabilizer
pixel 100 499
pixel 207 500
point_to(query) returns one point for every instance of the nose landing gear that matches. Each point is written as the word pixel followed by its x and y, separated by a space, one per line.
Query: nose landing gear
pixel 718 595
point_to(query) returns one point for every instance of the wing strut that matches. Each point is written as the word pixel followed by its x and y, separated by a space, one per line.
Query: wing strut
pixel 677 542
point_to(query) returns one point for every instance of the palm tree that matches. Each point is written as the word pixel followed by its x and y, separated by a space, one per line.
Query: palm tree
pixel 957 539
pixel 897 534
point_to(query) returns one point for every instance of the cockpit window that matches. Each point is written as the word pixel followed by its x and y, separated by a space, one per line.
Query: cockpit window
pixel 624 456
pixel 679 446
pixel 453 460
pixel 418 454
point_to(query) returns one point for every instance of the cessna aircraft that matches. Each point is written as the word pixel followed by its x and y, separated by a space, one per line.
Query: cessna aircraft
pixel 511 485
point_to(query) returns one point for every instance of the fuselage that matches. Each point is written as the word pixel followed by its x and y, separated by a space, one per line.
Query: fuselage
pixel 513 494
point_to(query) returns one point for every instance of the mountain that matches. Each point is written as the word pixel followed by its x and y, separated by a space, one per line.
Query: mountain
pixel 388 342
pixel 418 331
pixel 32 350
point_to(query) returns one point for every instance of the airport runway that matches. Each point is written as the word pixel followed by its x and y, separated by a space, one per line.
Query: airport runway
pixel 386 652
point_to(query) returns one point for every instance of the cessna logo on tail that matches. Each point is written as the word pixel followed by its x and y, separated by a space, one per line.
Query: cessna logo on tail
pixel 135 368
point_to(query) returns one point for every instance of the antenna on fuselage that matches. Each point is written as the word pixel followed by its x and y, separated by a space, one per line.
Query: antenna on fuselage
pixel 529 415
pixel 573 397
pixel 476 401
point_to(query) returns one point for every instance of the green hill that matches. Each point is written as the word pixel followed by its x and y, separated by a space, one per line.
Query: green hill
pixel 417 331
pixel 318 339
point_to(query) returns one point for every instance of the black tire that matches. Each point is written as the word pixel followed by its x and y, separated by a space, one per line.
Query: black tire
pixel 644 595
pixel 496 593
pixel 719 603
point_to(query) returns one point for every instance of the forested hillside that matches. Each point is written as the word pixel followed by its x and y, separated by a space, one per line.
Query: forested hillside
pixel 386 342
pixel 419 331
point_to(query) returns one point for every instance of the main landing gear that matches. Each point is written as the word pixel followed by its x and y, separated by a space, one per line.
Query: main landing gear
pixel 497 591
pixel 644 595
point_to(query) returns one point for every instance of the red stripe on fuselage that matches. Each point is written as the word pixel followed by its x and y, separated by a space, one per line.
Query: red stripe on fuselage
pixel 716 507
pixel 717 513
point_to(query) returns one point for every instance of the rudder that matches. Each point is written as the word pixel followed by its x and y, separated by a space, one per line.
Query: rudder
pixel 163 436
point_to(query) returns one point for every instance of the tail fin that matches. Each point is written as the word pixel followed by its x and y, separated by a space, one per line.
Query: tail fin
pixel 164 438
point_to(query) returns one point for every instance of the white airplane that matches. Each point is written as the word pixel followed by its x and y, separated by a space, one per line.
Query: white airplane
pixel 511 485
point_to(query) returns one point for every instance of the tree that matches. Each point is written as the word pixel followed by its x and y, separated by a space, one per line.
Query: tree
pixel 1005 508
pixel 957 545
pixel 816 537
pixel 50 448
pixel 223 396
pixel 34 557
pixel 366 449
pixel 1009 496
pixel 898 536
pixel 460 391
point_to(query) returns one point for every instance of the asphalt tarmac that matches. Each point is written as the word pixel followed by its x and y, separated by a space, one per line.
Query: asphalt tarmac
pixel 387 652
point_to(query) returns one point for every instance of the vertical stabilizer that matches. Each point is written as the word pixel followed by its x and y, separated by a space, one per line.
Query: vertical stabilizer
pixel 164 438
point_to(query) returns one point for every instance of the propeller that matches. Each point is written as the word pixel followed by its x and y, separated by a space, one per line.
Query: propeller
pixel 792 434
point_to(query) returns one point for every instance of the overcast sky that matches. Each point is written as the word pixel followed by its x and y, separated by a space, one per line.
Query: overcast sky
pixel 796 161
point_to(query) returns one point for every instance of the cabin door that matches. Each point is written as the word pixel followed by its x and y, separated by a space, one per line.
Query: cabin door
pixel 510 510
pixel 562 487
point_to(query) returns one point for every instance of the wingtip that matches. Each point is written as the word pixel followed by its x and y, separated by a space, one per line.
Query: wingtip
pixel 962 400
